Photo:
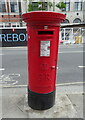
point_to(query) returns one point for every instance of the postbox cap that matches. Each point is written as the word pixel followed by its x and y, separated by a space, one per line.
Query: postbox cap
pixel 43 17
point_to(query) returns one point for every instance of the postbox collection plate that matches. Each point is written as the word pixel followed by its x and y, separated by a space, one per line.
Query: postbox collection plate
pixel 45 48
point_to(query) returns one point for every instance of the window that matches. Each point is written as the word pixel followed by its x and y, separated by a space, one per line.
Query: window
pixel 65 36
pixel 78 6
pixel 66 21
pixel 67 7
pixel 41 6
pixel 2 6
pixel 77 20
pixel 35 5
pixel 14 7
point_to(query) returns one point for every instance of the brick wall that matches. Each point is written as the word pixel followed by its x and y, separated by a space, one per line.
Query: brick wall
pixel 9 18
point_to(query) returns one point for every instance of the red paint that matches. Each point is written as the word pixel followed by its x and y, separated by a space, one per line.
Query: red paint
pixel 42 69
pixel 13 29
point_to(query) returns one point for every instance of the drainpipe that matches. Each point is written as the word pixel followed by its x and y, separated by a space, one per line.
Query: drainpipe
pixel 8 10
pixel 20 12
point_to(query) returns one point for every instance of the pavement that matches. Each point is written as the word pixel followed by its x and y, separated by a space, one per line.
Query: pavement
pixel 68 103
pixel 70 97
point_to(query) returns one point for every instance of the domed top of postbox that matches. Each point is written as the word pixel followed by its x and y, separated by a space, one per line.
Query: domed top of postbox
pixel 43 18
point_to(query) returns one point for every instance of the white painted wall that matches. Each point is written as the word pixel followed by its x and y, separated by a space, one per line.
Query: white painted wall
pixel 70 15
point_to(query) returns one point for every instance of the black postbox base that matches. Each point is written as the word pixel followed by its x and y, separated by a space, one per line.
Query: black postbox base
pixel 41 101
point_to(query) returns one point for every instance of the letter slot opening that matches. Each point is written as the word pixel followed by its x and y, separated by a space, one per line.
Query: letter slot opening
pixel 45 32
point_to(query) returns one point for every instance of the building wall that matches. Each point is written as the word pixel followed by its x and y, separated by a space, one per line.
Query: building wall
pixel 9 18
pixel 72 14
pixel 14 18
pixel 84 12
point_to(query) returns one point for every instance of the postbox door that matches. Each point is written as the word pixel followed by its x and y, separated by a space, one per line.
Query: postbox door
pixel 47 60
pixel 43 50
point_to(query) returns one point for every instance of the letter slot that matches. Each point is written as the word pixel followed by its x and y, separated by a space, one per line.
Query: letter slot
pixel 45 32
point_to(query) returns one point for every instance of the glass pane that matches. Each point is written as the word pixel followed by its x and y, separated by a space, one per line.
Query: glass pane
pixel 14 7
pixel 66 21
pixel 78 6
pixel 13 0
pixel 80 0
pixel 37 6
pixel 68 6
pixel 75 6
pixel 2 7
pixel 77 20
pixel 67 0
pixel 2 1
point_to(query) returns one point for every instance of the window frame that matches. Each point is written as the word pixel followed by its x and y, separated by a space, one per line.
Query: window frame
pixel 76 6
pixel 44 6
pixel 16 9
pixel 77 19
pixel 4 3
pixel 67 4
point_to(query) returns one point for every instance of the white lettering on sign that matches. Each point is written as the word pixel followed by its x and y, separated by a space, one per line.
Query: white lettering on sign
pixel 45 48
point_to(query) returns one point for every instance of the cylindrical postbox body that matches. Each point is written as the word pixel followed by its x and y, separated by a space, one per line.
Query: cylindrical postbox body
pixel 43 39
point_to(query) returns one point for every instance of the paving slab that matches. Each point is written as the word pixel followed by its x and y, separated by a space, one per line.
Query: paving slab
pixel 15 105
pixel 63 108
pixel 77 101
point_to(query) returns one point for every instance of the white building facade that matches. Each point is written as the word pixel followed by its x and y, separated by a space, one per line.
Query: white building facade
pixel 11 15
pixel 74 9
pixel 11 11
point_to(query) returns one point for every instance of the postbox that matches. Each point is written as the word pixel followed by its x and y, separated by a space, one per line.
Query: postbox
pixel 43 38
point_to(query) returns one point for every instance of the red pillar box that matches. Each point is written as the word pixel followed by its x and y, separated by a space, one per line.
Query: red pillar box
pixel 43 39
